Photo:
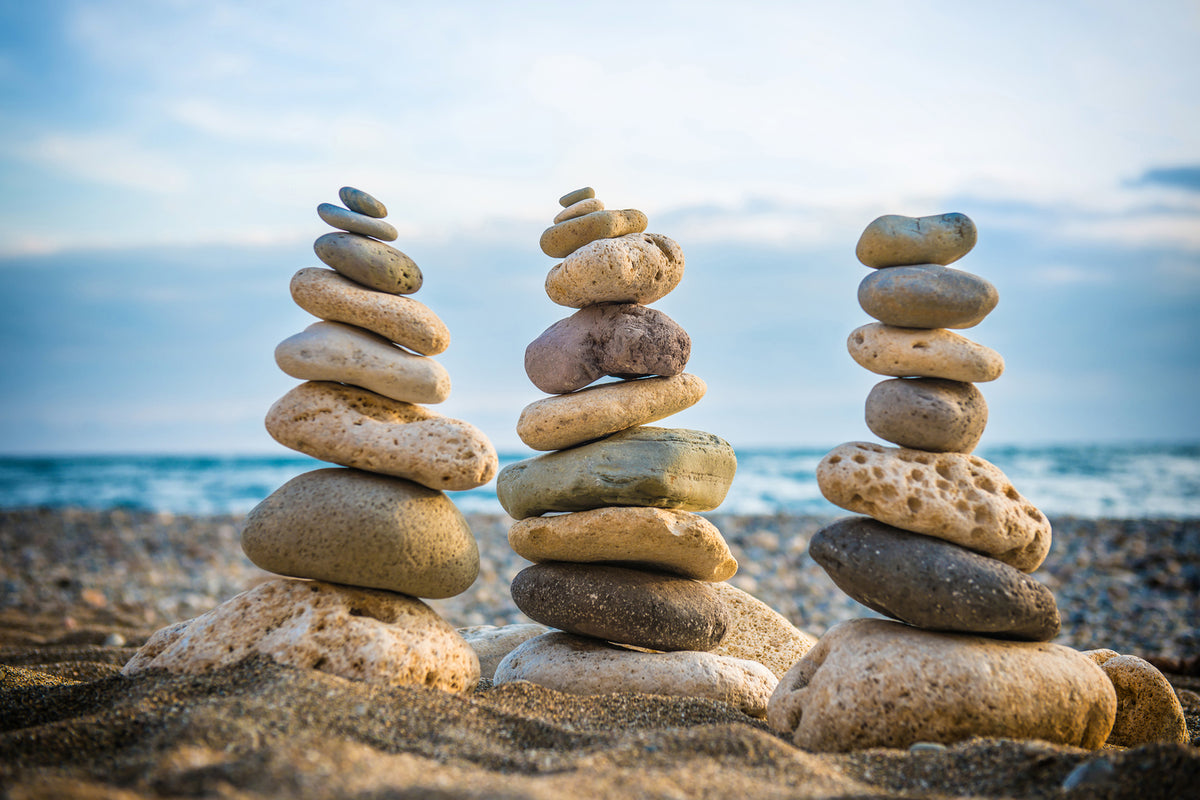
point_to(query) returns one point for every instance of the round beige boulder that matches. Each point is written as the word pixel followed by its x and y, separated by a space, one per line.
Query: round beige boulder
pixel 897 241
pixel 924 353
pixel 757 632
pixel 637 268
pixel 1148 709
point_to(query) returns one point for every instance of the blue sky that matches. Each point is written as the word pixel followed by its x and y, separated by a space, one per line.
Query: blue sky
pixel 162 163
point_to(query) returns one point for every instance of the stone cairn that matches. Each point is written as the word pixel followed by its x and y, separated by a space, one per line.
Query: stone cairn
pixel 630 575
pixel 370 537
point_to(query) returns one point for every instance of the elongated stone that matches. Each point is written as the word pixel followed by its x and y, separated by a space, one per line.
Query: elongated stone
pixel 927 414
pixel 928 353
pixel 363 203
pixel 571 198
pixel 579 209
pixel 927 296
pixel 353 222
pixel 371 263
pixel 564 238
pixel 897 241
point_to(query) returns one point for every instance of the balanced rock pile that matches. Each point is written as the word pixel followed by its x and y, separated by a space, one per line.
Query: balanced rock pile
pixel 372 536
pixel 630 575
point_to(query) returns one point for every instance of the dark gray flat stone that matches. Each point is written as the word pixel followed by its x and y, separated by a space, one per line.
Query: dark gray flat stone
pixel 927 296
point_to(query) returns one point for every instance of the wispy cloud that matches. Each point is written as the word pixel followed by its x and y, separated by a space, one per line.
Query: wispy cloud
pixel 1186 178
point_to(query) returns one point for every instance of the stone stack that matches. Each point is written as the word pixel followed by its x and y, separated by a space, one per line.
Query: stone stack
pixel 947 542
pixel 370 537
pixel 629 567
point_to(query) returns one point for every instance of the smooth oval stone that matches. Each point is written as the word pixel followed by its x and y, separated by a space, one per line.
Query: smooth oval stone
pixel 369 262
pixel 354 222
pixel 491 644
pixel 932 583
pixel 655 538
pixel 363 203
pixel 571 198
pixel 878 683
pixel 566 237
pixel 624 340
pixel 403 320
pixel 585 666
pixel 361 529
pixel 644 466
pixel 928 353
pixel 558 422
pixel 927 296
pixel 579 209
pixel 927 414
pixel 626 606
pixel 952 496
pixel 638 268
pixel 334 351
pixel 360 634
pixel 759 633
pixel 897 241
pixel 356 428
pixel 1148 710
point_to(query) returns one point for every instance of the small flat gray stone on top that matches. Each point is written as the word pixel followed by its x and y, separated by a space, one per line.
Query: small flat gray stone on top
pixel 927 296
pixel 353 222
pixel 363 203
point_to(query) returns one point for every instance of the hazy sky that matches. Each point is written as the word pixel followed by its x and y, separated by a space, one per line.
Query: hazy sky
pixel 162 163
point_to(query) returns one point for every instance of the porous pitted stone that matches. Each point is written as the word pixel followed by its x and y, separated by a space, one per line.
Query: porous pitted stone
pixel 897 241
pixel 1148 710
pixel 571 198
pixel 927 296
pixel 638 268
pixel 363 203
pixel 373 264
pixel 927 353
pixel 491 644
pixel 759 633
pixel 353 222
pixel 565 238
pixel 579 209
pixel 927 414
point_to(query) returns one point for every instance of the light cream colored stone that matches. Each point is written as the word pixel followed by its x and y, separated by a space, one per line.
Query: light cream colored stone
pixel 565 420
pixel 953 496
pixel 580 665
pixel 360 634
pixel 757 632
pixel 878 683
pixel 366 530
pixel 356 428
pixel 637 268
pixel 334 351
pixel 491 644
pixel 897 241
pixel 676 541
pixel 1148 709
pixel 574 210
pixel 407 322
pixel 923 353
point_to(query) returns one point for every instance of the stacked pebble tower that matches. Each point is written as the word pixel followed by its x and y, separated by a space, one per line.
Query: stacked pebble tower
pixel 629 567
pixel 370 537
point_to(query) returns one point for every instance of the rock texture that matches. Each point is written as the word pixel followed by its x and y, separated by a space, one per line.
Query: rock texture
pixel 927 296
pixel 920 352
pixel 369 262
pixel 353 222
pixel 566 237
pixel 492 643
pixel 637 268
pixel 759 633
pixel 894 240
pixel 1148 709
pixel 927 414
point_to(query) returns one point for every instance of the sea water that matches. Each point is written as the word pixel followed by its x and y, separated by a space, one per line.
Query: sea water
pixel 1121 481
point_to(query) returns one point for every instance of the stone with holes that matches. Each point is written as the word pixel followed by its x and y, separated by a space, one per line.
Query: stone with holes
pixel 927 296
pixel 927 414
pixel 566 237
pixel 372 263
pixel 353 222
pixel 759 633
pixel 895 241
pixel 927 353
pixel 638 268
pixel 1148 710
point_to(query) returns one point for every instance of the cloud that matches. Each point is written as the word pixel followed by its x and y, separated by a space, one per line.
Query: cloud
pixel 1186 178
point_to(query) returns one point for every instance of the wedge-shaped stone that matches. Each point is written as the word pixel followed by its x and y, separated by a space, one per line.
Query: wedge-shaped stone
pixel 928 353
pixel 362 529
pixel 360 634
pixel 566 237
pixel 407 322
pixel 952 496
pixel 927 296
pixel 927 414
pixel 932 583
pixel 655 467
pixel 565 420
pixel 372 263
pixel 638 268
pixel 356 428
pixel 674 541
pixel 759 633
pixel 877 683
pixel 897 241
pixel 353 222
pixel 491 643
pixel 334 351
pixel 1148 710
pixel 581 665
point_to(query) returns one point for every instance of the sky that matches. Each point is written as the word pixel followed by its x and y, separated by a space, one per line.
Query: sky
pixel 162 161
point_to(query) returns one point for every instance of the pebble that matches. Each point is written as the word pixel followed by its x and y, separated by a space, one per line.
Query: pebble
pixel 353 222
pixel 491 643
pixel 1147 708
pixel 927 414
pixel 929 353
pixel 363 203
pixel 356 428
pixel 361 634
pixel 878 683
pixel 579 195
pixel 334 351
pixel 644 466
pixel 369 262
pixel 582 665
pixel 361 529
pixel 622 605
pixel 407 322
pixel 623 340
pixel 564 238
pixel 579 209
pixel 896 241
pixel 1092 773
pixel 927 296
pixel 562 421
pixel 672 541
pixel 932 583
pixel 638 268
pixel 759 633
pixel 953 496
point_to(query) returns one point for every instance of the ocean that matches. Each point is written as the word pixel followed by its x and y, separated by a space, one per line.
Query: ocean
pixel 1117 481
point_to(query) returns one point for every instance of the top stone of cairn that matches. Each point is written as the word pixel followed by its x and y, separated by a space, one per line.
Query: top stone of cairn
pixel 897 241
pixel 571 198
pixel 363 203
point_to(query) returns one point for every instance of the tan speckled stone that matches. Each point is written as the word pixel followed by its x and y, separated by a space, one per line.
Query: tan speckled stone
pixel 953 496
pixel 579 209
pixel 564 420
pixel 638 268
pixel 566 237
pixel 366 530
pixel 334 351
pixel 491 644
pixel 676 541
pixel 1147 708
pixel 923 352
pixel 360 634
pixel 356 428
pixel 759 633
pixel 407 322
pixel 571 198
pixel 372 263
pixel 878 683
pixel 927 414
pixel 580 665
pixel 897 241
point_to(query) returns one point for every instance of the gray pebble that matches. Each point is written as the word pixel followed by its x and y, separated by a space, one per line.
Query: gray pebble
pixel 354 222
pixel 927 296
pixel 927 414
pixel 363 203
